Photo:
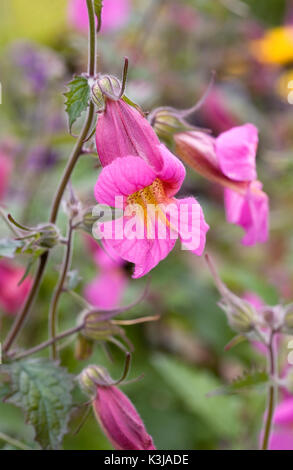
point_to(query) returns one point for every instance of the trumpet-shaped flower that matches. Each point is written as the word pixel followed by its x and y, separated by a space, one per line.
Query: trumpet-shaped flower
pixel 152 218
pixel 229 160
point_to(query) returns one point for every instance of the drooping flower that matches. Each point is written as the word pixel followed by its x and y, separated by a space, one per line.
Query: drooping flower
pixel 153 219
pixel 229 160
pixel 5 172
pixel 12 295
pixel 115 14
pixel 115 413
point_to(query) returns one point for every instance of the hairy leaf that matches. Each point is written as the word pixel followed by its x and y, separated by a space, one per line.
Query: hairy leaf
pixel 43 390
pixel 77 98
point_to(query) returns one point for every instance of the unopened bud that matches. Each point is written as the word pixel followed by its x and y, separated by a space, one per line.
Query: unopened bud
pixel 93 376
pixel 167 122
pixel 48 236
pixel 105 86
pixel 241 315
pixel 288 319
pixel 98 330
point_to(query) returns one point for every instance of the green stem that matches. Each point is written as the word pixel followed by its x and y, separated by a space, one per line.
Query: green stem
pixel 14 442
pixel 76 152
pixel 47 343
pixel 272 396
pixel 59 289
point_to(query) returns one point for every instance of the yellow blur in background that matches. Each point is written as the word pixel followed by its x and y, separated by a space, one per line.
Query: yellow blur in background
pixel 37 20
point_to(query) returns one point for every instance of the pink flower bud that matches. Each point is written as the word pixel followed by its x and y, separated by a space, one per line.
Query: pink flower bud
pixel 12 295
pixel 120 421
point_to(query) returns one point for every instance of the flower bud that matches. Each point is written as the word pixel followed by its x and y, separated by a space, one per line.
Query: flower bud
pixel 105 86
pixel 240 314
pixel 99 330
pixel 91 377
pixel 120 421
pixel 288 319
pixel 166 123
pixel 48 236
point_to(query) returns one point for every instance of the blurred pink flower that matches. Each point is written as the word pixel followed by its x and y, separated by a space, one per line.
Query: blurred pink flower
pixel 5 172
pixel 105 291
pixel 151 189
pixel 12 295
pixel 120 421
pixel 115 14
pixel 282 435
pixel 229 160
pixel 184 16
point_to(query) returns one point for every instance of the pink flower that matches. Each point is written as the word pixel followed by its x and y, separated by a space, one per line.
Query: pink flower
pixel 282 435
pixel 115 14
pixel 215 112
pixel 5 172
pixel 229 160
pixel 12 295
pixel 122 131
pixel 120 421
pixel 146 191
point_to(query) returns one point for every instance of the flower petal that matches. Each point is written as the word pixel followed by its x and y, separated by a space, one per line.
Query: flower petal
pixel 170 171
pixel 250 212
pixel 236 151
pixel 106 290
pixel 191 225
pixel 122 177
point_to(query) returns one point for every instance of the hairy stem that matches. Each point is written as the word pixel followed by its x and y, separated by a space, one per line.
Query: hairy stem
pixel 76 152
pixel 14 442
pixel 272 395
pixel 58 291
pixel 47 343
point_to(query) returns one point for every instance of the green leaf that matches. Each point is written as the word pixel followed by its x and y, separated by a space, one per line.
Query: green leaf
pixel 248 380
pixel 43 390
pixel 98 5
pixel 9 247
pixel 219 413
pixel 77 98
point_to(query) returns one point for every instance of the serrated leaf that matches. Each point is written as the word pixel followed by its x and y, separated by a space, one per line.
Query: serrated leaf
pixel 219 413
pixel 43 390
pixel 9 247
pixel 98 5
pixel 77 98
pixel 248 380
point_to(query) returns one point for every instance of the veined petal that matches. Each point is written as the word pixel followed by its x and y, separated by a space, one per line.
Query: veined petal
pixel 236 151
